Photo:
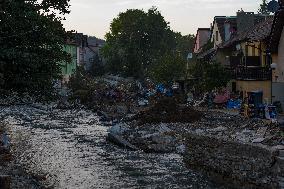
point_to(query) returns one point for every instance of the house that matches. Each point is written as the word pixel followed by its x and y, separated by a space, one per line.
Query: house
pixel 82 42
pixel 248 59
pixel 221 29
pixel 228 28
pixel 239 43
pixel 69 68
pixel 201 39
pixel 276 48
pixel 92 56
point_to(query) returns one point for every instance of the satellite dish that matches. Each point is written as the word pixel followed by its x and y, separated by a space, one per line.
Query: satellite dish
pixel 273 6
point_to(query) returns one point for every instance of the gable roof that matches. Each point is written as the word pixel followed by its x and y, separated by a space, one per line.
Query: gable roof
pixel 259 32
pixel 198 31
pixel 220 21
pixel 277 28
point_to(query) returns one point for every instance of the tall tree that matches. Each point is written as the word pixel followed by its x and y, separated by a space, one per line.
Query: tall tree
pixel 31 39
pixel 137 39
pixel 263 9
pixel 185 44
pixel 169 68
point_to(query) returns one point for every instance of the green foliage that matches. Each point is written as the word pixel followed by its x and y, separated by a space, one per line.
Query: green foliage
pixel 184 44
pixel 169 68
pixel 31 40
pixel 263 9
pixel 136 40
pixel 209 76
pixel 97 68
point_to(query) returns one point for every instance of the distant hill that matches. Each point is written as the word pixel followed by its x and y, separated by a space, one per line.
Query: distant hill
pixel 94 41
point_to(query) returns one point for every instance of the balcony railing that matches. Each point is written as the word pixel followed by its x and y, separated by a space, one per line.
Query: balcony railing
pixel 251 73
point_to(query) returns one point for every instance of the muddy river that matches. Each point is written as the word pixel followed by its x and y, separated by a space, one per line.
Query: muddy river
pixel 69 149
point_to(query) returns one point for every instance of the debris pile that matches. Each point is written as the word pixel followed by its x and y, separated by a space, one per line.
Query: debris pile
pixel 150 135
pixel 167 110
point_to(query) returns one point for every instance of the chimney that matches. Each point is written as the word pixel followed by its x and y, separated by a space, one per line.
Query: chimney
pixel 227 28
pixel 245 20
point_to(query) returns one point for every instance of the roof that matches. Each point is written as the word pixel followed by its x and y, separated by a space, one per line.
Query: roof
pixel 259 32
pixel 220 21
pixel 195 39
pixel 206 53
pixel 276 31
pixel 208 29
pixel 281 3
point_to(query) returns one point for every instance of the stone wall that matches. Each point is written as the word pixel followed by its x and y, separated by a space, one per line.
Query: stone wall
pixel 235 164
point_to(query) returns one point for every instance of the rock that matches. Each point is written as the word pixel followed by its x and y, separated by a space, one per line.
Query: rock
pixel 258 140
pixel 261 132
pixel 120 141
pixel 199 131
pixel 122 110
pixel 164 129
pixel 159 148
pixel 181 149
pixel 166 140
pixel 118 129
pixel 248 132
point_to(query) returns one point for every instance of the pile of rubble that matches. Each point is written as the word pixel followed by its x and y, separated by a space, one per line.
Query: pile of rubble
pixel 167 110
pixel 164 128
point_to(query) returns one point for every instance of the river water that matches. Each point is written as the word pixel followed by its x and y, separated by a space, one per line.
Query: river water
pixel 69 148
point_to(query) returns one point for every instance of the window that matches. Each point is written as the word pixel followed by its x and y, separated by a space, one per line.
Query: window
pixel 217 36
pixel 253 50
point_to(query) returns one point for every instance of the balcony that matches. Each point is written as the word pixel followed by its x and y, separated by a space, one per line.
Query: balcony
pixel 251 73
pixel 236 61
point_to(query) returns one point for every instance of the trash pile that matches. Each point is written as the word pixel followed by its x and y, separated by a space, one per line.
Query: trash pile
pixel 114 97
pixel 150 135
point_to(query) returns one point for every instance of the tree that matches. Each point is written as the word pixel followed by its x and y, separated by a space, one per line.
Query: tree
pixel 209 76
pixel 185 44
pixel 170 67
pixel 263 9
pixel 31 40
pixel 137 39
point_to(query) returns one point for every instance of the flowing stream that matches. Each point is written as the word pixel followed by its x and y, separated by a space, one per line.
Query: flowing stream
pixel 69 148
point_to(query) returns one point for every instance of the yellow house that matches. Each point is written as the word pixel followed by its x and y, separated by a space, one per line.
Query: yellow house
pixel 277 52
pixel 249 60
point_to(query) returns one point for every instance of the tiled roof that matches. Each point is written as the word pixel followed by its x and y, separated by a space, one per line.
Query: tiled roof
pixel 276 31
pixel 260 31
pixel 209 52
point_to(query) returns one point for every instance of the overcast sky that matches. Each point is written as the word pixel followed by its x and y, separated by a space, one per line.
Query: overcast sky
pixel 93 17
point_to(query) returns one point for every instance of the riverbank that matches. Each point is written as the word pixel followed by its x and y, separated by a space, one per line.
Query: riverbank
pixel 232 150
pixel 12 174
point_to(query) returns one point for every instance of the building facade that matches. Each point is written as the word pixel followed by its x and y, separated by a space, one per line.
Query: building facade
pixel 201 39
pixel 69 68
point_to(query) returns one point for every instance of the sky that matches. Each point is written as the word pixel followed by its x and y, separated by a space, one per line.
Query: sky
pixel 93 17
